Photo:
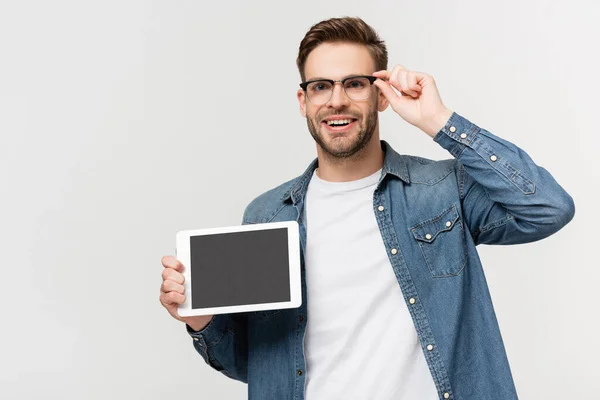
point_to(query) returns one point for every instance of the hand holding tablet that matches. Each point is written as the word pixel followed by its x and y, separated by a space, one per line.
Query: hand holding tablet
pixel 172 293
pixel 232 269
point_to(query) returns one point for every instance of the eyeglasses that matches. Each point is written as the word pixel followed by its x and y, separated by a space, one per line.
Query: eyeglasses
pixel 319 91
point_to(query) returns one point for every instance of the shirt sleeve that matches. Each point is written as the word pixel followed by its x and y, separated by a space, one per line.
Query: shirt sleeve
pixel 506 198
pixel 222 344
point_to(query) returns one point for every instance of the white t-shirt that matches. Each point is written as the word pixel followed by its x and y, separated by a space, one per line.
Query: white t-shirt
pixel 360 340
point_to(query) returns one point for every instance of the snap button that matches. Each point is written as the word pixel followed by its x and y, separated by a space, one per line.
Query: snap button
pixel 428 236
pixel 299 372
pixel 448 223
pixel 380 208
pixel 394 251
pixel 412 300
pixel 446 395
pixel 452 129
pixel 463 135
pixel 196 339
pixel 301 318
pixel 429 347
pixel 493 158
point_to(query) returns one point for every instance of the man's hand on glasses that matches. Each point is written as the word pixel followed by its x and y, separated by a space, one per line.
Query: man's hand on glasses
pixel 419 102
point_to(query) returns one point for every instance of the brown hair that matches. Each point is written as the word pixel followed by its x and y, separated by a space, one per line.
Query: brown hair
pixel 346 29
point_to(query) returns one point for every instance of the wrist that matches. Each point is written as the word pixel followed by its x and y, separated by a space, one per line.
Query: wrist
pixel 435 123
pixel 198 323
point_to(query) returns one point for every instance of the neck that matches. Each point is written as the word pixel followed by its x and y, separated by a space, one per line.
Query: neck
pixel 362 164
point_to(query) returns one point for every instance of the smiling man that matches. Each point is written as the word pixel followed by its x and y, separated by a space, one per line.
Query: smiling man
pixel 396 304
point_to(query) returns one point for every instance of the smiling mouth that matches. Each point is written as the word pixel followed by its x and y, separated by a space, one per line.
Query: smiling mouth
pixel 339 122
pixel 339 125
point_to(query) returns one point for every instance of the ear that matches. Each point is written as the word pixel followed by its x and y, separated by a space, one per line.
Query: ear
pixel 302 100
pixel 382 101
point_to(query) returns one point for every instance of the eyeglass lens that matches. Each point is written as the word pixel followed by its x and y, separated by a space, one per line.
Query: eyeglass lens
pixel 319 92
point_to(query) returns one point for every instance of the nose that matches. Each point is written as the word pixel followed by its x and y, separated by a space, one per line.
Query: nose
pixel 339 98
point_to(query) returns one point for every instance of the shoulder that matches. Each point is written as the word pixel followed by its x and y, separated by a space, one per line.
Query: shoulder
pixel 268 204
pixel 427 171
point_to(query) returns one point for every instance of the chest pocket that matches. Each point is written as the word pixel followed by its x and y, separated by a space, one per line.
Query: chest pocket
pixel 442 243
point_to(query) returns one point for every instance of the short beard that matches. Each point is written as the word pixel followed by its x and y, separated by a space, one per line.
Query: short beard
pixel 365 134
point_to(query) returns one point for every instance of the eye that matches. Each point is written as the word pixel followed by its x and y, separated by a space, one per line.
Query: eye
pixel 356 83
pixel 319 86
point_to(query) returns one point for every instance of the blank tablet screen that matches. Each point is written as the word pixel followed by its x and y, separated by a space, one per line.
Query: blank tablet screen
pixel 239 268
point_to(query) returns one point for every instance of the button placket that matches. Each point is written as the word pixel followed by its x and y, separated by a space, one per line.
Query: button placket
pixel 423 329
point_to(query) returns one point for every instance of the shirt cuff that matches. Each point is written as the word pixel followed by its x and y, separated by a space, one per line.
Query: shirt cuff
pixel 211 333
pixel 457 134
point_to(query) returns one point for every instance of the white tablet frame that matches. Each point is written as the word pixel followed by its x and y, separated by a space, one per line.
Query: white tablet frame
pixel 182 239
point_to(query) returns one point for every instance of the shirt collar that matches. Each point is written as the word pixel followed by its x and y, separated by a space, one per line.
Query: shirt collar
pixel 393 164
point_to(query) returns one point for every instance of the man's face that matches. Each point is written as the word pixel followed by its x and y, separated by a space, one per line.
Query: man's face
pixel 338 61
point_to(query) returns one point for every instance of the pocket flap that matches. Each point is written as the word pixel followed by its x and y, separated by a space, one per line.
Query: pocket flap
pixel 427 231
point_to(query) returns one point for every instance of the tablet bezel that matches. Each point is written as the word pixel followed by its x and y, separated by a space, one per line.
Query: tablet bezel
pixel 182 239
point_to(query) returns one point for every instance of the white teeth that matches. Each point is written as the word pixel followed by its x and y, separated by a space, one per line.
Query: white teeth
pixel 338 122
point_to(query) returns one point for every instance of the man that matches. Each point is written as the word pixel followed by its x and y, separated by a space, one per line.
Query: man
pixel 396 304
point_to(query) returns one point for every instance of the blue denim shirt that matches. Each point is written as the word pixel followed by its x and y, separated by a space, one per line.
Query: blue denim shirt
pixel 431 215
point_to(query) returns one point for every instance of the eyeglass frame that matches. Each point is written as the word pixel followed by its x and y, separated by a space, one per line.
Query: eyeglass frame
pixel 304 85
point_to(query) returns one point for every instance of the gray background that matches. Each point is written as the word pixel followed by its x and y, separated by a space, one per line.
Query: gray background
pixel 123 122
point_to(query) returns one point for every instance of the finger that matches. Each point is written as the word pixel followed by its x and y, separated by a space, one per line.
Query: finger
pixel 172 310
pixel 396 80
pixel 172 286
pixel 388 92
pixel 423 79
pixel 413 82
pixel 401 75
pixel 171 298
pixel 172 262
pixel 383 74
pixel 171 274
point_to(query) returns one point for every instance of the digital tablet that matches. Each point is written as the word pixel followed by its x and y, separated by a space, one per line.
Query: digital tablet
pixel 240 268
